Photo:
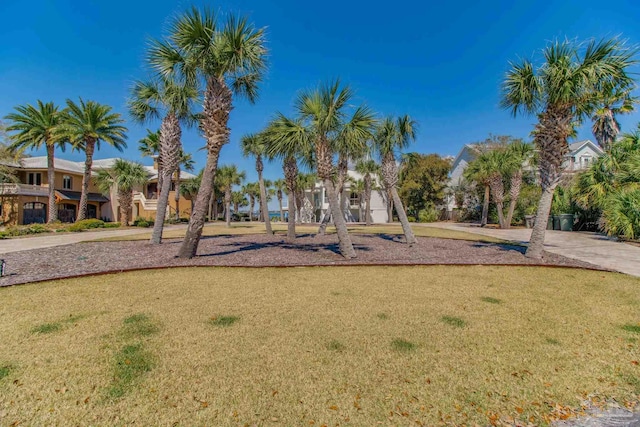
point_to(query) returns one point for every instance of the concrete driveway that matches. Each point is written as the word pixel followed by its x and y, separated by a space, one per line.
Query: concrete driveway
pixel 54 239
pixel 593 248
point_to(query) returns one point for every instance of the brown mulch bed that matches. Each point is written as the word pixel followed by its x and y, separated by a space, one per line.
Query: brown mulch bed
pixel 259 250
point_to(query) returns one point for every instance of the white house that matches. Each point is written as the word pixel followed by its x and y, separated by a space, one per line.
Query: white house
pixel 580 156
pixel 316 202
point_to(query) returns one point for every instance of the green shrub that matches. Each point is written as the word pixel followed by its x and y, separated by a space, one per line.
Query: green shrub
pixel 4 235
pixel 430 214
pixel 86 224
pixel 142 222
pixel 37 229
pixel 111 225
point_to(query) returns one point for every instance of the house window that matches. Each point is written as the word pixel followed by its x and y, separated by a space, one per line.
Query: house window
pixel 35 178
pixel 34 205
pixel 585 162
pixel 66 182
pixel 354 199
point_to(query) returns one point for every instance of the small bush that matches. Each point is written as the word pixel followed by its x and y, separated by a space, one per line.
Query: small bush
pixel 430 214
pixel 111 225
pixel 142 222
pixel 37 229
pixel 4 235
pixel 86 224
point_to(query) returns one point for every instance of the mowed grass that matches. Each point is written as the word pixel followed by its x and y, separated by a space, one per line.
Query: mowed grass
pixel 314 346
pixel 220 229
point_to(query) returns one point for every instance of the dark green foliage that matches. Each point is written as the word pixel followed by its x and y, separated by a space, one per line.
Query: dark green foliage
pixel 453 321
pixel 635 328
pixel 46 328
pixel 5 370
pixel 423 180
pixel 401 344
pixel 224 321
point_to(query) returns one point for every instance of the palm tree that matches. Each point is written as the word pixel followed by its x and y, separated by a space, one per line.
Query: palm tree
pixel 251 189
pixel 228 59
pixel 478 171
pixel 173 101
pixel 519 154
pixel 185 162
pixel 358 187
pixel 254 146
pixel 125 175
pixel 189 189
pixel 391 135
pixel 304 182
pixel 227 177
pixel 86 125
pixel 288 140
pixel 614 101
pixel 149 146
pixel 323 126
pixel 367 168
pixel 35 127
pixel 238 200
pixel 280 186
pixel 561 92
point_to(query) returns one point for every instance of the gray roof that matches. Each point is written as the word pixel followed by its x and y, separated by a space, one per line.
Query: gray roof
pixel 40 162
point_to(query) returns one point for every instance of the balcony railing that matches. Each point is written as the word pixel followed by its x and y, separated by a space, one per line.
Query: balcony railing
pixel 23 190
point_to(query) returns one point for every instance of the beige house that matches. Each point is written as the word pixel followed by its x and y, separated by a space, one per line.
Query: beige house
pixel 26 202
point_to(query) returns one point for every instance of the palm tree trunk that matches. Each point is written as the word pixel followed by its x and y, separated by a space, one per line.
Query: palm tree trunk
pixel 485 207
pixel 280 203
pixel 227 204
pixel 326 219
pixel 252 204
pixel 124 199
pixel 263 205
pixel 514 193
pixel 216 108
pixel 406 227
pixel 536 242
pixel 290 168
pixel 177 195
pixel 161 212
pixel 367 197
pixel 344 240
pixel 291 223
pixel 160 175
pixel 193 204
pixel 189 246
pixel 389 206
pixel 51 179
pixel 86 178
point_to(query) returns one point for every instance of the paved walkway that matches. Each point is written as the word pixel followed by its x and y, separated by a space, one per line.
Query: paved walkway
pixel 54 239
pixel 589 247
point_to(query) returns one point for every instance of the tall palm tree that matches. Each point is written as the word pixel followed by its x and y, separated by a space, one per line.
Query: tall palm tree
pixel 367 168
pixel 172 100
pixel 33 128
pixel 561 92
pixel 125 175
pixel 613 101
pixel 86 125
pixel 149 146
pixel 228 59
pixel 395 134
pixel 289 140
pixel 280 185
pixel 227 177
pixel 254 146
pixel 185 162
pixel 238 200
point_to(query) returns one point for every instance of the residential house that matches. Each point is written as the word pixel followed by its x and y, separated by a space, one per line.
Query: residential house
pixel 26 202
pixel 580 156
pixel 316 202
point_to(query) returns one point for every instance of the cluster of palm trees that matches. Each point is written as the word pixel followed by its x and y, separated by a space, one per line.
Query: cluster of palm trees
pixel 82 126
pixel 499 165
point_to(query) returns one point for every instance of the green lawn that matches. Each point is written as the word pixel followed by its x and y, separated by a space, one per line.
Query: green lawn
pixel 217 229
pixel 318 346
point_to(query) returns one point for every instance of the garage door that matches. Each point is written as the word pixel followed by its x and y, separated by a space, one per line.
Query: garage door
pixel 34 213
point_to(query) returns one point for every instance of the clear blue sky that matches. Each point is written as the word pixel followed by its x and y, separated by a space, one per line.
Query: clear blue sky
pixel 440 62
